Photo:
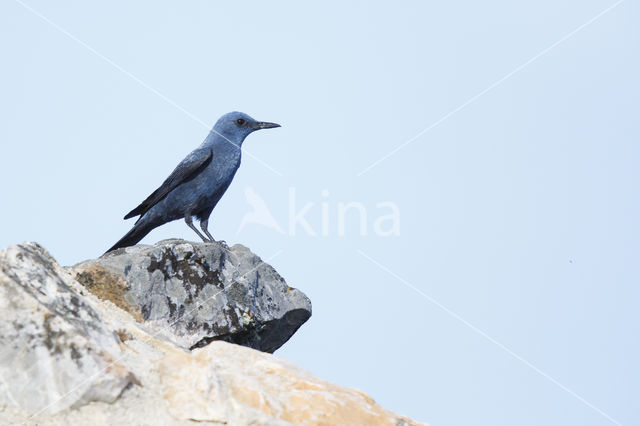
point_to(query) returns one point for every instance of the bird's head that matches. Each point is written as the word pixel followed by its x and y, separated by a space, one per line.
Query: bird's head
pixel 236 126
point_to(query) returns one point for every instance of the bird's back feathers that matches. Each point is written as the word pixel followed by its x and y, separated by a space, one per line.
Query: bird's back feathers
pixel 186 170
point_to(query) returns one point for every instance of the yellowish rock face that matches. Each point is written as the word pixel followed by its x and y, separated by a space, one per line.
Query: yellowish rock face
pixel 226 382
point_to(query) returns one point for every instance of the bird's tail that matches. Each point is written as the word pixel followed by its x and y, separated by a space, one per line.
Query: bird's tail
pixel 138 232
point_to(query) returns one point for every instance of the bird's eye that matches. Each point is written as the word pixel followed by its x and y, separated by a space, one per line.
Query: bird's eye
pixel 240 121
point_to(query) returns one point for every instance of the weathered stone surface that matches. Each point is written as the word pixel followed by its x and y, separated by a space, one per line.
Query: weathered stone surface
pixel 68 357
pixel 55 351
pixel 194 293
pixel 221 383
pixel 228 383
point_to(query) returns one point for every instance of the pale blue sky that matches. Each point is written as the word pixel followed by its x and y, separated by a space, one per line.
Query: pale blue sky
pixel 518 213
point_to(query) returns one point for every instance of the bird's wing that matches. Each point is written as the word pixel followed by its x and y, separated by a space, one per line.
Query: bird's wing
pixel 186 170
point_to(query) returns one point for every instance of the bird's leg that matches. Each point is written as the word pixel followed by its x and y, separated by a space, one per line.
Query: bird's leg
pixel 204 224
pixel 189 220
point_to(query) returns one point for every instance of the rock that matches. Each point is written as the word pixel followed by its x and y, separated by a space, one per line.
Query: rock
pixel 226 383
pixel 73 354
pixel 194 293
pixel 55 351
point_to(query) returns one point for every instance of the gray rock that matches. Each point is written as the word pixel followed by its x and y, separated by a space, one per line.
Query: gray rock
pixel 194 293
pixel 55 351
pixel 62 346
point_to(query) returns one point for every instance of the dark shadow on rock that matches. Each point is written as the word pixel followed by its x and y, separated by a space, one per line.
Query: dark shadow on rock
pixel 268 336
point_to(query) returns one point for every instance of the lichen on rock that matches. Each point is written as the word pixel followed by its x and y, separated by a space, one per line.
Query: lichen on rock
pixel 194 293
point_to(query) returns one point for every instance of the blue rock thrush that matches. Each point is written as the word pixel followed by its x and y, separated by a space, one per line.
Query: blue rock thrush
pixel 197 184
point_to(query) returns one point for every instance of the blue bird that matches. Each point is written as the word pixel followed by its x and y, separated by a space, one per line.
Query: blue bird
pixel 197 184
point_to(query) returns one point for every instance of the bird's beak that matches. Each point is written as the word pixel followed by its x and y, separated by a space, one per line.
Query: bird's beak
pixel 265 125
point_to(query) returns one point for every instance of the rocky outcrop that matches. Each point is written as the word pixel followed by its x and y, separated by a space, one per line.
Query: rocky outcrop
pixel 194 293
pixel 83 345
pixel 55 351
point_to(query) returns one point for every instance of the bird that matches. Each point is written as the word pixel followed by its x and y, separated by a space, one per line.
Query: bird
pixel 199 181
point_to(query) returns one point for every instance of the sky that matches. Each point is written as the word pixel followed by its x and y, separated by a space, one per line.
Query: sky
pixel 454 186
